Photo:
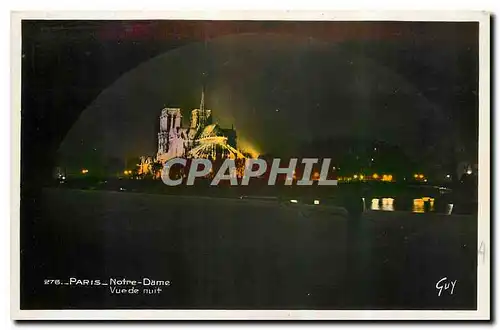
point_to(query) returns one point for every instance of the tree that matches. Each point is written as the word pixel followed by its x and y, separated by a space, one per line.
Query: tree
pixel 156 168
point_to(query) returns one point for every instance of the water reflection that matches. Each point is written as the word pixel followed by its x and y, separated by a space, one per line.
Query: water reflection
pixel 419 205
pixel 384 204
pixel 387 204
pixel 449 209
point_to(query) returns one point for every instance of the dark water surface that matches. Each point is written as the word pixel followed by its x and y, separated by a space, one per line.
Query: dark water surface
pixel 224 253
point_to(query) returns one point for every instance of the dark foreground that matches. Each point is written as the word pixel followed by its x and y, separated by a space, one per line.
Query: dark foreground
pixel 241 254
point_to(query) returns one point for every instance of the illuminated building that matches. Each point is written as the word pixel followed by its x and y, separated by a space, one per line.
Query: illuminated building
pixel 201 139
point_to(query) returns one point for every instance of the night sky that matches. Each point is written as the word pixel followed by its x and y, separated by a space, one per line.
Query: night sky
pixel 94 90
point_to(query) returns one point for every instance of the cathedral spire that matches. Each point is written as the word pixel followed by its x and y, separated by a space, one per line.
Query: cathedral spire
pixel 202 103
pixel 204 73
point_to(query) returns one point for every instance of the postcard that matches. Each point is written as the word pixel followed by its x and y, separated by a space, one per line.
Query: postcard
pixel 250 165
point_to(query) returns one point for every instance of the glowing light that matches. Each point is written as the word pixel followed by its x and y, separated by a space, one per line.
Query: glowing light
pixel 85 171
pixel 388 204
pixel 387 177
pixel 415 176
pixel 375 176
pixel 375 204
pixel 361 177
pixel 294 201
pixel 316 202
pixel 146 166
pixel 418 206
pixel 355 176
pixel 420 176
pixel 387 200
pixel 469 171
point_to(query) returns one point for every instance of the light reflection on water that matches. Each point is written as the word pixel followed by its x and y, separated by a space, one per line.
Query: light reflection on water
pixel 387 204
pixel 418 206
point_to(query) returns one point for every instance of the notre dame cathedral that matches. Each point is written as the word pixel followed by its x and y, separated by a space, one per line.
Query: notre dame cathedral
pixel 201 138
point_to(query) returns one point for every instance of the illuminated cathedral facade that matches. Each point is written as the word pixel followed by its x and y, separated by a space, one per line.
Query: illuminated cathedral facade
pixel 201 139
